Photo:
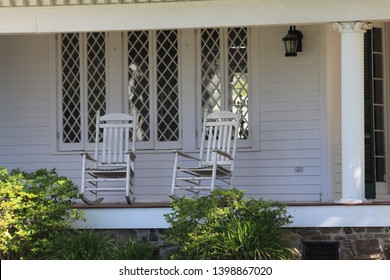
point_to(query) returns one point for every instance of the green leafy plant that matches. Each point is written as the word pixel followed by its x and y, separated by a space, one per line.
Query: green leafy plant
pixel 224 225
pixel 34 208
pixel 83 245
pixel 90 244
pixel 136 250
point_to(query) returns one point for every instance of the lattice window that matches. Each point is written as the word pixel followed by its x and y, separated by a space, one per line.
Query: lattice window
pixel 238 75
pixel 211 69
pixel 153 82
pixel 96 80
pixel 224 72
pixel 71 99
pixel 83 81
pixel 139 81
pixel 167 86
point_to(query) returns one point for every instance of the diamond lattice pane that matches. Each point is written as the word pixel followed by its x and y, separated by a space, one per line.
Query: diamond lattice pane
pixel 71 99
pixel 238 75
pixel 96 79
pixel 211 69
pixel 138 81
pixel 167 86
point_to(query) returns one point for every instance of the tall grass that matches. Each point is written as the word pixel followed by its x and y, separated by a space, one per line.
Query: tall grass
pixel 92 245
pixel 136 250
pixel 83 245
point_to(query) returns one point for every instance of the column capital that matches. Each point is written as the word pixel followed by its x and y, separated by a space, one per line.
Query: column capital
pixel 352 26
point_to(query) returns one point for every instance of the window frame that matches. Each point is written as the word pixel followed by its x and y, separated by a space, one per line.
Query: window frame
pixel 189 91
pixel 84 143
pixel 374 187
pixel 252 142
pixel 153 143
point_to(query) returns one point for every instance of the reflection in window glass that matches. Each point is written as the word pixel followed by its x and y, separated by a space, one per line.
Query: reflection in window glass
pixel 224 72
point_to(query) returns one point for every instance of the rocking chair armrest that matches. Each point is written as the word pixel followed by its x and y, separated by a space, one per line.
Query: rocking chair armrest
pixel 132 155
pixel 87 156
pixel 180 153
pixel 222 153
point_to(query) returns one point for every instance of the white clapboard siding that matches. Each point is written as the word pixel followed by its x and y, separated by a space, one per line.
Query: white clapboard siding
pixel 277 162
pixel 290 135
pixel 287 167
pixel 24 103
pixel 277 171
pixel 289 122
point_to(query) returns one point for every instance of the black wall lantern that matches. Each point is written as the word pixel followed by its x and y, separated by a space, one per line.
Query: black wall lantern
pixel 293 42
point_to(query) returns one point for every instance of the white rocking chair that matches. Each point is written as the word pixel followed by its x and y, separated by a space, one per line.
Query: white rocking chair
pixel 113 161
pixel 216 159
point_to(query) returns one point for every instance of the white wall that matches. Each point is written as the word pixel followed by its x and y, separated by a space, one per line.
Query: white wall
pixel 24 96
pixel 289 113
pixel 289 120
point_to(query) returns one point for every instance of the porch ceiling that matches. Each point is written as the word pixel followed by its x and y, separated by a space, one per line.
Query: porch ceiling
pixel 52 16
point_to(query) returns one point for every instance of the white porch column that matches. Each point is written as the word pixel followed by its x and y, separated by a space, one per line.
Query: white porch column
pixel 352 109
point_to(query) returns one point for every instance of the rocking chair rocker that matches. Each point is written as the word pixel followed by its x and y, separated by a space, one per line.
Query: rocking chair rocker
pixel 113 161
pixel 216 159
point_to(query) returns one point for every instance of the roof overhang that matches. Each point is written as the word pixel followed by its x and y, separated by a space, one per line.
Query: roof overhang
pixel 184 14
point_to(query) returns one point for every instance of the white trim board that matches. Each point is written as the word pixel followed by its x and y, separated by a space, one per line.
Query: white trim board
pixel 187 14
pixel 303 216
pixel 123 218
pixel 340 216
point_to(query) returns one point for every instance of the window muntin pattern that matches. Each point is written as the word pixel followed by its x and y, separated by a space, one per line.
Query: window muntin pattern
pixel 139 81
pixel 71 80
pixel 238 76
pixel 83 77
pixel 153 87
pixel 224 72
pixel 211 69
pixel 153 80
pixel 167 86
pixel 96 80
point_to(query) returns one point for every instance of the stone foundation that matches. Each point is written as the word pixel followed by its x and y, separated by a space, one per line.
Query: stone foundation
pixel 355 243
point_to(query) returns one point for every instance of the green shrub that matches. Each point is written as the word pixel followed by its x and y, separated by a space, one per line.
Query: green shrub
pixel 90 244
pixel 136 250
pixel 83 245
pixel 226 226
pixel 34 208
